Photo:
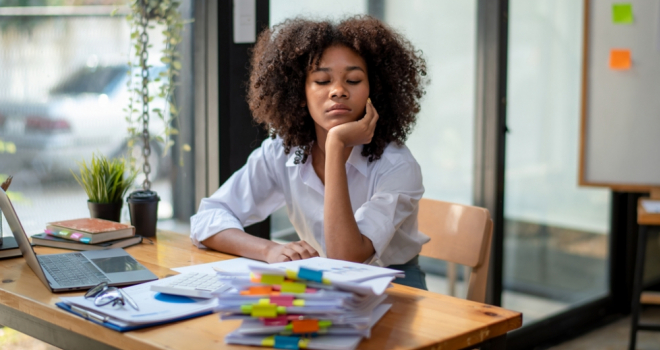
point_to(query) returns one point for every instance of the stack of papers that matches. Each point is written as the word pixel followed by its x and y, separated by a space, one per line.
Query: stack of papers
pixel 154 309
pixel 315 303
pixel 651 206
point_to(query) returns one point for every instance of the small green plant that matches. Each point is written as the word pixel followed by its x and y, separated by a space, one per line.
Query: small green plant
pixel 105 180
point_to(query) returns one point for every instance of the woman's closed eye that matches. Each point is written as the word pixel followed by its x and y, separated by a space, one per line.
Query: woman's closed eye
pixel 326 82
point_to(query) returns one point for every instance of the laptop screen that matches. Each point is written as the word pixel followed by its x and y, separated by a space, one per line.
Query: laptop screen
pixel 21 237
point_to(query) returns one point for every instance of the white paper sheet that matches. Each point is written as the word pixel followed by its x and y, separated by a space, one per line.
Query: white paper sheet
pixel 651 206
pixel 339 270
pixel 238 265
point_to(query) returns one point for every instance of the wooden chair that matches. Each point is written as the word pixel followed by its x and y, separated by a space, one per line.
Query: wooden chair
pixel 459 234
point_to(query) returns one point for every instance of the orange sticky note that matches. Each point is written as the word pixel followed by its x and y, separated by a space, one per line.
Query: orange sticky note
pixel 260 290
pixel 620 59
pixel 305 326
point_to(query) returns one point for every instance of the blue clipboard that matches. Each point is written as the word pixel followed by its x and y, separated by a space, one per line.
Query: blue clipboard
pixel 117 328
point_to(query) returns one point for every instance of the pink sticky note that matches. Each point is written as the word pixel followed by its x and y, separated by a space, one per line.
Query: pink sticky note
pixel 282 300
pixel 76 235
pixel 276 321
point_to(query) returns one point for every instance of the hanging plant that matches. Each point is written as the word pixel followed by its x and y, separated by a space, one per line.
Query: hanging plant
pixel 146 15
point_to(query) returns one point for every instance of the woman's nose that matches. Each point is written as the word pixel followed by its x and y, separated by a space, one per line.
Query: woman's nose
pixel 338 90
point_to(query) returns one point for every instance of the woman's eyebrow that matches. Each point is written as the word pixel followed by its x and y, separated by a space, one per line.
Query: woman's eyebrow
pixel 348 69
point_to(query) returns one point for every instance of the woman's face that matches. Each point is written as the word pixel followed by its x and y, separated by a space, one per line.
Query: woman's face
pixel 338 89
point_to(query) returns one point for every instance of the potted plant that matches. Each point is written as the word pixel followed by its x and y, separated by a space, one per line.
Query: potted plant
pixel 143 204
pixel 106 182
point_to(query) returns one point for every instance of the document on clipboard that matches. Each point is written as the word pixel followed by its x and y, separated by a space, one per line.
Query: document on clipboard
pixel 154 308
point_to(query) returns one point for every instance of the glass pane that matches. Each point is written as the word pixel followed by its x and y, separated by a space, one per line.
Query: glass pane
pixel 556 233
pixel 61 99
pixel 442 141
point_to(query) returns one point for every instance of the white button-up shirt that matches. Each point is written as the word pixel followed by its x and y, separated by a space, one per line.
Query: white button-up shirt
pixel 384 196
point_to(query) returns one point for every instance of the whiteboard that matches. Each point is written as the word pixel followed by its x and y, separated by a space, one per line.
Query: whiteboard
pixel 620 139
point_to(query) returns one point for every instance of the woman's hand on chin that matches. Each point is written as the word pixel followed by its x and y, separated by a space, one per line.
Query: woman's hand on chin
pixel 359 132
pixel 290 251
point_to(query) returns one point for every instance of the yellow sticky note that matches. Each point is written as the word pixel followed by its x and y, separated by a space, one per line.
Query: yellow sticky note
pixel 272 279
pixel 622 13
pixel 620 59
pixel 259 310
pixel 293 287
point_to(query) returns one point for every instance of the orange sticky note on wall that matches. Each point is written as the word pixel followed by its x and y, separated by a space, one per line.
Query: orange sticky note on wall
pixel 620 59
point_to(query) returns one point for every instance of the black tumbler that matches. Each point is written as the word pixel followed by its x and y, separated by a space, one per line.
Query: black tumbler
pixel 143 207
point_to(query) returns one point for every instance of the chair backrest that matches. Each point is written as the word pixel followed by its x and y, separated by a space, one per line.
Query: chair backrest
pixel 460 234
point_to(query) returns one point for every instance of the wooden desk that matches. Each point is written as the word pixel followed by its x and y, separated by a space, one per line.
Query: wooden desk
pixel 417 319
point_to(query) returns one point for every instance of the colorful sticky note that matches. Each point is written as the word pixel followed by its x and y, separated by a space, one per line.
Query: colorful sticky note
pixel 620 59
pixel 282 300
pixel 305 326
pixel 622 13
pixel 283 342
pixel 309 274
pixel 272 279
pixel 259 310
pixel 293 287
pixel 276 321
pixel 259 290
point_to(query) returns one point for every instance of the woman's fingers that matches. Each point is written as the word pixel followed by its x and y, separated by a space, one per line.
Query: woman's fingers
pixel 292 254
pixel 370 111
pixel 312 252
pixel 300 249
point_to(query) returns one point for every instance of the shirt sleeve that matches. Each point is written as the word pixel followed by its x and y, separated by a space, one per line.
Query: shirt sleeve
pixel 247 197
pixel 397 191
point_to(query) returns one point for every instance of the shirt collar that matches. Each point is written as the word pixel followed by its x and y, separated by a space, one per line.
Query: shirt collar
pixel 355 159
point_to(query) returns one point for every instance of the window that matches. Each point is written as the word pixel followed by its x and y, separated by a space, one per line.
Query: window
pixel 64 88
pixel 556 233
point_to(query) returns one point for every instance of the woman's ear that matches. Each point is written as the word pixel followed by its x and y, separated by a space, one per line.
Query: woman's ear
pixel 303 104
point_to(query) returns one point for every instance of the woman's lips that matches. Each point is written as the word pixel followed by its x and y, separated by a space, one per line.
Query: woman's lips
pixel 338 109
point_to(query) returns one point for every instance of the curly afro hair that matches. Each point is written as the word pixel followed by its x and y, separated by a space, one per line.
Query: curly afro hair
pixel 284 55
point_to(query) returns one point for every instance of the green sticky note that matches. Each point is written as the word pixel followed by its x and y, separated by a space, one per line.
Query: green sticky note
pixel 264 310
pixel 622 13
pixel 293 287
pixel 272 279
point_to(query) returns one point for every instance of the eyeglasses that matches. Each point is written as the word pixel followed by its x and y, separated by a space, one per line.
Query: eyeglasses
pixel 104 295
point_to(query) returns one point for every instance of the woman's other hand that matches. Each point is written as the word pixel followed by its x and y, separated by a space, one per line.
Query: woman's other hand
pixel 291 251
pixel 359 132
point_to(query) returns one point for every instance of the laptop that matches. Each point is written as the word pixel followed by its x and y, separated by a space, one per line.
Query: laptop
pixel 77 270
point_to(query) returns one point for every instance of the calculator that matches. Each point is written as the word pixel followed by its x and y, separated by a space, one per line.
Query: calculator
pixel 191 284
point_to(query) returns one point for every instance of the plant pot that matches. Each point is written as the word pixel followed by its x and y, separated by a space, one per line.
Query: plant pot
pixel 143 207
pixel 106 211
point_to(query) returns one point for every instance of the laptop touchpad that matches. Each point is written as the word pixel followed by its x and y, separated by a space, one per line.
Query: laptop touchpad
pixel 117 264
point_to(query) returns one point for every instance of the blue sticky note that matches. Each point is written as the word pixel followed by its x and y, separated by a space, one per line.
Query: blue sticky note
pixel 311 275
pixel 284 342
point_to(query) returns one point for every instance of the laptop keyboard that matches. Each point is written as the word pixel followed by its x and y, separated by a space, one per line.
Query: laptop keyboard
pixel 72 269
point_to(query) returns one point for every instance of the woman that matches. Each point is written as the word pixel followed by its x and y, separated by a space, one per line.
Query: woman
pixel 339 101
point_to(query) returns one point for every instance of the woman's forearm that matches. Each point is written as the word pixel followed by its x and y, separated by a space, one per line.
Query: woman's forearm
pixel 236 242
pixel 343 239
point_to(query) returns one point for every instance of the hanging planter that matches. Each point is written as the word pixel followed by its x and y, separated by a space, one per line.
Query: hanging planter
pixel 143 204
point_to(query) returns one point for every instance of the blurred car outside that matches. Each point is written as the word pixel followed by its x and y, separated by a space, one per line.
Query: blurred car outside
pixel 83 114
